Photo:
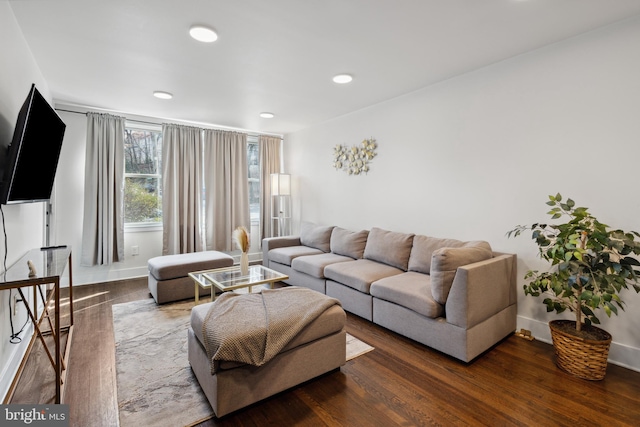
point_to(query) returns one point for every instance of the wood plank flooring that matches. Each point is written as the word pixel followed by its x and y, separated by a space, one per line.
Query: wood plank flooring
pixel 401 382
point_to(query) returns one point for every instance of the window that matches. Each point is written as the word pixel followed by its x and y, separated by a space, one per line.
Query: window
pixel 253 159
pixel 142 176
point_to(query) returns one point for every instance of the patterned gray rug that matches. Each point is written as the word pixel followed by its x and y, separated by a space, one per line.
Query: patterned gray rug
pixel 155 384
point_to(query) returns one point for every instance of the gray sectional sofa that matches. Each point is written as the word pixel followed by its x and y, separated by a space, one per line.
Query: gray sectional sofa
pixel 456 297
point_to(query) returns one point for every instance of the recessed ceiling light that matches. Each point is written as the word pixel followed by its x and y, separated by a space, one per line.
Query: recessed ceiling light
pixel 342 78
pixel 266 115
pixel 162 95
pixel 203 34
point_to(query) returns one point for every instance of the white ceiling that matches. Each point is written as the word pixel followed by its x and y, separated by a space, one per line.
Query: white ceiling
pixel 279 55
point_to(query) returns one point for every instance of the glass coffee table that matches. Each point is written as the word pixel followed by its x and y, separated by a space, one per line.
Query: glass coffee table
pixel 230 278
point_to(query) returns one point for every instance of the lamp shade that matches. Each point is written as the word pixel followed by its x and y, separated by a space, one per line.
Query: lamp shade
pixel 280 184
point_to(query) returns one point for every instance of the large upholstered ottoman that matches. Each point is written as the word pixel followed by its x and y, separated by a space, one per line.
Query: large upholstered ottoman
pixel 168 274
pixel 318 348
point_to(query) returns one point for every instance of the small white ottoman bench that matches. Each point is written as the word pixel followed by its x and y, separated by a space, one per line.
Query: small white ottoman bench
pixel 168 274
pixel 318 348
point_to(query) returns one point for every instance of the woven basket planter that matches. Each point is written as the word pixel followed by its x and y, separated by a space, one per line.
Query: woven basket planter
pixel 584 358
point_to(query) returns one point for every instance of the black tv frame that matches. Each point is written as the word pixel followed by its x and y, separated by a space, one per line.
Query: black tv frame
pixel 32 157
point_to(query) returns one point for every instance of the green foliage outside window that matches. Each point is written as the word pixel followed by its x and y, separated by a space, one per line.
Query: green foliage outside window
pixel 142 205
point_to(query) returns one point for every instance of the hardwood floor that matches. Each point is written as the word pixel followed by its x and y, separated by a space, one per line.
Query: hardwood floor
pixel 399 383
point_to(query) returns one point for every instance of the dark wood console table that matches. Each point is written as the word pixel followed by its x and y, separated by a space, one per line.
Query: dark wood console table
pixel 49 265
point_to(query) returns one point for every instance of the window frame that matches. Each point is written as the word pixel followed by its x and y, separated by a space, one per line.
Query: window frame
pixel 147 225
pixel 253 140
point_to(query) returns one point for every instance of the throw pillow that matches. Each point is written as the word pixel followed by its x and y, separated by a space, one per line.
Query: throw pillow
pixel 316 236
pixel 446 261
pixel 348 243
pixel 389 247
pixel 422 251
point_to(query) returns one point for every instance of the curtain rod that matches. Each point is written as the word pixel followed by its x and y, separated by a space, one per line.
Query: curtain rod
pixel 159 124
pixel 129 120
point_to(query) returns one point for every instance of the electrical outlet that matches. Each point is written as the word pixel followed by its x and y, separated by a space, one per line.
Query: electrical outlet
pixel 135 250
pixel 16 299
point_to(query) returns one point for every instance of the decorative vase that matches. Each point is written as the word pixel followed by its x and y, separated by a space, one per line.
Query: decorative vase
pixel 244 263
pixel 581 357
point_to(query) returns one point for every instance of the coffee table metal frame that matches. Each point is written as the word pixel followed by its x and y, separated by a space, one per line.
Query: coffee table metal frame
pixel 230 278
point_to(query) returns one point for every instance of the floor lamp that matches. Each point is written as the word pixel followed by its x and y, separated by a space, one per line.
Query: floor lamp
pixel 280 204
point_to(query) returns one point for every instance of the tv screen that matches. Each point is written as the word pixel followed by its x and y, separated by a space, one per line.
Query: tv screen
pixel 32 157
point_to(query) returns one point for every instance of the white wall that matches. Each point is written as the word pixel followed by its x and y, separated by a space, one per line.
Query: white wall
pixel 24 223
pixel 473 156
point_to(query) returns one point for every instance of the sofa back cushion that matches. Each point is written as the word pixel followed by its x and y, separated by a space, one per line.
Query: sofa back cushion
pixel 422 251
pixel 316 236
pixel 445 262
pixel 348 243
pixel 389 247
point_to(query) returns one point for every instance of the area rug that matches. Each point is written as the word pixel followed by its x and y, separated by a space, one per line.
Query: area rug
pixel 156 386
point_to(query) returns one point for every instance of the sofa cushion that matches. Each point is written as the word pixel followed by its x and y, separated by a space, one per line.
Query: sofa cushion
pixel 446 261
pixel 316 236
pixel 411 290
pixel 314 265
pixel 359 274
pixel 422 251
pixel 348 243
pixel 389 247
pixel 287 254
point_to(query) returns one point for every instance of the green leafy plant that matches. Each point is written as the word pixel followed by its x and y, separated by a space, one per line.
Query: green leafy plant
pixel 591 264
pixel 141 204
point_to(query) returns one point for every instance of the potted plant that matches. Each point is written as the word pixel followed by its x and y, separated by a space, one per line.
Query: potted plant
pixel 590 265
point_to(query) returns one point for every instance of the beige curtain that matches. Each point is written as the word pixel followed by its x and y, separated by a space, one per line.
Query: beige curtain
pixel 270 162
pixel 103 223
pixel 181 189
pixel 226 187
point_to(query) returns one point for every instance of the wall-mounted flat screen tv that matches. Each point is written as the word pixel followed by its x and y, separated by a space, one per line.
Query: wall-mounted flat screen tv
pixel 32 157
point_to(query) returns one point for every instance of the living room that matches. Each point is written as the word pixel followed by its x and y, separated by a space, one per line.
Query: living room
pixel 468 155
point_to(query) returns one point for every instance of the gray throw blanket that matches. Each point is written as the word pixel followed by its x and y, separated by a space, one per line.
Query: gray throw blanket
pixel 254 328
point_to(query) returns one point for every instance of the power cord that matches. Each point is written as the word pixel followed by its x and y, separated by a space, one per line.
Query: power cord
pixel 14 338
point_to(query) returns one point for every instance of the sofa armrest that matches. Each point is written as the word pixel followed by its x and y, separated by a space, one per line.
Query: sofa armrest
pixel 481 290
pixel 269 243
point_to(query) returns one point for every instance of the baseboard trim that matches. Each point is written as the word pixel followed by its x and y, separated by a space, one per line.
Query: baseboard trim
pixel 10 369
pixel 90 277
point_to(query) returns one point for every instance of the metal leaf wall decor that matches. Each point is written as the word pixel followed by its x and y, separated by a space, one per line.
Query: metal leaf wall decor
pixel 354 160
